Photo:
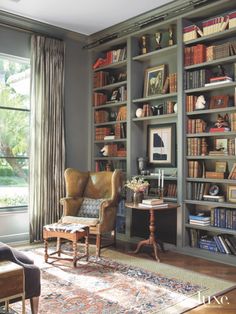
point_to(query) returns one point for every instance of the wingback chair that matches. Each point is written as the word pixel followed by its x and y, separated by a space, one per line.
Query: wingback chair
pixel 91 199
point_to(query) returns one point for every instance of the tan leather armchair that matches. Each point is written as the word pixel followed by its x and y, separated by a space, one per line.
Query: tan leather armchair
pixel 99 188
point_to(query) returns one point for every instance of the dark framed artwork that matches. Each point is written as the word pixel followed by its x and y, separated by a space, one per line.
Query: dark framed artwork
pixel 219 101
pixel 161 144
pixel 154 80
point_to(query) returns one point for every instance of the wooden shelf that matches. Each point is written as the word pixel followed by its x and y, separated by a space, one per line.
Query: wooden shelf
pixel 208 134
pixel 163 116
pixel 111 141
pixel 224 181
pixel 110 105
pixel 214 256
pixel 157 53
pixel 210 111
pixel 110 158
pixel 212 229
pixel 112 66
pixel 156 97
pixel 209 88
pixel 110 86
pixel 152 177
pixel 215 204
pixel 110 123
pixel 224 157
pixel 211 63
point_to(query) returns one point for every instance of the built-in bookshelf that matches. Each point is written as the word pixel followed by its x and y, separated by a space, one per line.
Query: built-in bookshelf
pixel 197 66
pixel 209 83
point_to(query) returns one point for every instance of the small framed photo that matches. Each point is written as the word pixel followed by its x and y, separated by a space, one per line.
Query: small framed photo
pixel 161 145
pixel 221 166
pixel 115 96
pixel 232 174
pixel 231 193
pixel 154 80
pixel 219 101
pixel 221 144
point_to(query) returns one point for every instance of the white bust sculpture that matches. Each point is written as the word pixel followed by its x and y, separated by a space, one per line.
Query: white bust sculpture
pixel 200 103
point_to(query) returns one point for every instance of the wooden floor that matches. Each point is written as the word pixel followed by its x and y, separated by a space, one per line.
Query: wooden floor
pixel 202 266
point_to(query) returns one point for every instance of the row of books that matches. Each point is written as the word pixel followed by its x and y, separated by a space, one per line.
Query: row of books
pixel 173 83
pixel 223 243
pixel 232 121
pixel 210 26
pixel 201 53
pixel 223 218
pixel 101 132
pixel 196 126
pixel 111 56
pixel 99 99
pixel 101 116
pixel 170 190
pixel 195 146
pixel 110 165
pixel 100 79
pixel 199 191
pixel 197 78
pixel 195 169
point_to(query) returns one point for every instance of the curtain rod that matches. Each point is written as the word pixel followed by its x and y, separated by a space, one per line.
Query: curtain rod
pixel 25 30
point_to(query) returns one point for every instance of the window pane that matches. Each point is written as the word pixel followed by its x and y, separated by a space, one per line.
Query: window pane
pixel 14 84
pixel 14 134
pixel 13 182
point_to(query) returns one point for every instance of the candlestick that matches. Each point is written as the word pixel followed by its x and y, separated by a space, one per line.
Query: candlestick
pixel 162 179
pixel 159 178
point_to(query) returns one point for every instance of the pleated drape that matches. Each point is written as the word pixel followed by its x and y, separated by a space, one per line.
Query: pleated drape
pixel 47 155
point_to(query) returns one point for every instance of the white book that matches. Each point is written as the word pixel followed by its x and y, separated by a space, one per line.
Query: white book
pixel 152 201
pixel 218 83
pixel 141 205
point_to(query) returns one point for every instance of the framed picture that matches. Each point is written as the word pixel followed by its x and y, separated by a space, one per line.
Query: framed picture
pixel 231 193
pixel 161 145
pixel 221 144
pixel 219 101
pixel 221 166
pixel 154 80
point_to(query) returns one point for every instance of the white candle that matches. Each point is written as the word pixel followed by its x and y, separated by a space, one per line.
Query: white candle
pixel 162 179
pixel 159 178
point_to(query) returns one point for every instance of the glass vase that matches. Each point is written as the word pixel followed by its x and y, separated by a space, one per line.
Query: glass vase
pixel 137 197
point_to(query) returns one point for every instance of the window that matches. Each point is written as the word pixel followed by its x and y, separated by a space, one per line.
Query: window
pixel 14 132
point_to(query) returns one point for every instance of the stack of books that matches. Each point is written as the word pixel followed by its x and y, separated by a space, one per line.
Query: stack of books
pixel 152 203
pixel 199 220
pixel 219 80
pixel 212 198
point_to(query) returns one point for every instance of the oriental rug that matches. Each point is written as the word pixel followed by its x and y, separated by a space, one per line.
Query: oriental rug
pixel 119 283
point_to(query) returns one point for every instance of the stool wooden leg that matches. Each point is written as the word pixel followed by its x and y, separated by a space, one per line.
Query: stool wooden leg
pixel 98 245
pixel 46 250
pixel 59 246
pixel 23 305
pixel 7 306
pixel 87 246
pixel 74 244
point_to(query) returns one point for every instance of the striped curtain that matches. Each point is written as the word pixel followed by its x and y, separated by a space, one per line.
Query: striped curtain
pixel 47 156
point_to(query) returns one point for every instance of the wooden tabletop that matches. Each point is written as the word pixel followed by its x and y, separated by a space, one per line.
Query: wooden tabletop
pixel 137 206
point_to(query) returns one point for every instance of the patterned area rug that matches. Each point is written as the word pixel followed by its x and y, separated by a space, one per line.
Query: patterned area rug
pixel 110 286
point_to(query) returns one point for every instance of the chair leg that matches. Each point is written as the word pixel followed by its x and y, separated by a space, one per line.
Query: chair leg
pixel 34 304
pixel 98 245
pixel 114 237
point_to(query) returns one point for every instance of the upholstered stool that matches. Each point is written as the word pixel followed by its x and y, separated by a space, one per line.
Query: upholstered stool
pixel 12 283
pixel 71 232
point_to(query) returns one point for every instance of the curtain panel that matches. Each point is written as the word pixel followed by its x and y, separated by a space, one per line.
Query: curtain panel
pixel 47 156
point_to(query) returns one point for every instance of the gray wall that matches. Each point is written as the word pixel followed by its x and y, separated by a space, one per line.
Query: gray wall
pixel 76 105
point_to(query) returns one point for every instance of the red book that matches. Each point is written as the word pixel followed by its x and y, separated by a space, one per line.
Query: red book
pixel 219 129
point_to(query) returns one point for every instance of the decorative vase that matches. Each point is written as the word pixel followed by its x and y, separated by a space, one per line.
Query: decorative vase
pixel 137 197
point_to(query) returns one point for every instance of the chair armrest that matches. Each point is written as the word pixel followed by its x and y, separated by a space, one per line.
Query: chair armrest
pixel 71 205
pixel 107 210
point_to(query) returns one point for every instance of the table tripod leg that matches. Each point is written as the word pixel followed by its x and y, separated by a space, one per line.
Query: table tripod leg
pixel 156 251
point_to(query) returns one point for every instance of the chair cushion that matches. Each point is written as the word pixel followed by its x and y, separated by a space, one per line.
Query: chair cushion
pixel 90 207
pixel 80 220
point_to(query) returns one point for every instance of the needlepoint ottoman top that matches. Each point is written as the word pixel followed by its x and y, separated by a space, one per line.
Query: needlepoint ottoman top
pixel 65 227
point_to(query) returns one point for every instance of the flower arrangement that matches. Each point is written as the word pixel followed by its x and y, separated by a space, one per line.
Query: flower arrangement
pixel 137 184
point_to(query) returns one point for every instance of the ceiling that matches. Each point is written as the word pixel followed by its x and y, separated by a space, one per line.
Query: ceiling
pixel 82 16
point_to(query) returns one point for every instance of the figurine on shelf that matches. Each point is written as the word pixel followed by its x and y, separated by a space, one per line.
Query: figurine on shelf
pixel 200 103
pixel 171 40
pixel 222 121
pixel 158 40
pixel 144 44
